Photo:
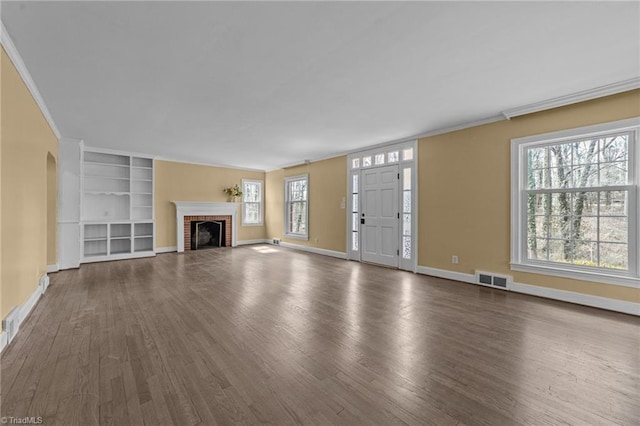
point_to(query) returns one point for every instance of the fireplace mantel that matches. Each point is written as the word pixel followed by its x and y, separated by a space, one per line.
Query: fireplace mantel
pixel 197 208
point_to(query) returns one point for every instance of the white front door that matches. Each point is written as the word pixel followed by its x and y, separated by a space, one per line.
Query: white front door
pixel 379 215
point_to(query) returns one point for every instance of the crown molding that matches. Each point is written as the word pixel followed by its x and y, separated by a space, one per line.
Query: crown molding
pixel 15 57
pixel 585 95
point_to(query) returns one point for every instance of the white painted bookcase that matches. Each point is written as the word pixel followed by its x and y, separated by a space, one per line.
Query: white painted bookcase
pixel 117 206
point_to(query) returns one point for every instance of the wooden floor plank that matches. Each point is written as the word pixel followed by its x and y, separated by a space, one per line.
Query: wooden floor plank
pixel 261 334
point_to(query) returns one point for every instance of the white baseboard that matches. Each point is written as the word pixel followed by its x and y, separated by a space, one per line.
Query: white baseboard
pixel 578 298
pixel 324 252
pixel 546 292
pixel 24 310
pixel 168 249
pixel 248 242
pixel 52 268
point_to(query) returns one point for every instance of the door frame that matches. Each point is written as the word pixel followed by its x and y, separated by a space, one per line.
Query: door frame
pixel 357 157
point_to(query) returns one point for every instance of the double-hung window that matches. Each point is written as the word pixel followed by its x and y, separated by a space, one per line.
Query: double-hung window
pixel 296 209
pixel 575 203
pixel 252 205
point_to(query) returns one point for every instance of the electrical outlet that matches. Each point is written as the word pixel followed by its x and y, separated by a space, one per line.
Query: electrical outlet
pixel 454 260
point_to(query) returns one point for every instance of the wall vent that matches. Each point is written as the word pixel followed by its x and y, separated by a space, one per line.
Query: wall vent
pixel 493 280
pixel 11 323
pixel 43 283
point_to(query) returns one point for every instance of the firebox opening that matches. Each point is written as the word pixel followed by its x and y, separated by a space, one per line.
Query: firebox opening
pixel 207 234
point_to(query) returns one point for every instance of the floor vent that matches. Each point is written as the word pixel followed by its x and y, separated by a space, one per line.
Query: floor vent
pixel 11 323
pixel 43 283
pixel 493 280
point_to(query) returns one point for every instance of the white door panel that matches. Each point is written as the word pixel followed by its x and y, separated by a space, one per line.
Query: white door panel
pixel 380 207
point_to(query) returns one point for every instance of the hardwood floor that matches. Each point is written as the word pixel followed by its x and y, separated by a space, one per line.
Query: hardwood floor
pixel 260 334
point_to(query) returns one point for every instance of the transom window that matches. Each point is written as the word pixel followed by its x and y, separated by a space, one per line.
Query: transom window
pixel 576 202
pixel 296 206
pixel 252 205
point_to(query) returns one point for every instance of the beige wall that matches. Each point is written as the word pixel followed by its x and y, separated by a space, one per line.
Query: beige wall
pixel 464 181
pixel 26 141
pixel 190 182
pixel 327 188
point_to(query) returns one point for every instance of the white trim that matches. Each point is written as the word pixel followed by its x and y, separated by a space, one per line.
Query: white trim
pixel 121 256
pixel 585 95
pixel 315 250
pixel 449 275
pixel 285 221
pixel 546 292
pixel 52 268
pixel 602 278
pixel 260 182
pixel 249 242
pixel 168 249
pixel 3 340
pixel 24 311
pixel 199 163
pixel 20 66
pixel 196 208
pixel 519 261
pixel 578 298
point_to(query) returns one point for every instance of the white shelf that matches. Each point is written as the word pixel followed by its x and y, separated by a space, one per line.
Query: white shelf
pixel 117 206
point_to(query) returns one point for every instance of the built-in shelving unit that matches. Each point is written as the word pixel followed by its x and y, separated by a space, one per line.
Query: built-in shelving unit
pixel 117 206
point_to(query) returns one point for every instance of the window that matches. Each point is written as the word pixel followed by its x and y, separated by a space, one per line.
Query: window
pixel 406 213
pixel 296 207
pixel 575 203
pixel 355 205
pixel 252 205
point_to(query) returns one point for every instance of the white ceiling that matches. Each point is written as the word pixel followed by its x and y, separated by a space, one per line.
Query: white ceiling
pixel 265 84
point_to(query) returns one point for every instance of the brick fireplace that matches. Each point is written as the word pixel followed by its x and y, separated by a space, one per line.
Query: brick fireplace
pixel 190 211
pixel 187 228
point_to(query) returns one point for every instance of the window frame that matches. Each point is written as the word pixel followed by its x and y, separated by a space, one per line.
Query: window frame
pixel 519 187
pixel 260 203
pixel 287 203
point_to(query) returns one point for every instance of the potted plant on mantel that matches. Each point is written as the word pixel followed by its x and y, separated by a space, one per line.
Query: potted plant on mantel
pixel 233 192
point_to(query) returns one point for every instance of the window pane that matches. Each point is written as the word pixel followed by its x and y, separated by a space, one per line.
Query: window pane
pixel 355 163
pixel 393 156
pixel 366 161
pixel 561 203
pixel 614 256
pixel 614 148
pixel 297 218
pixel 251 192
pixel 406 224
pixel 354 221
pixel 585 228
pixel 613 203
pixel 585 203
pixel 585 152
pixel 354 241
pixel 354 203
pixel 407 154
pixel 613 174
pixel 406 247
pixel 559 227
pixel 614 229
pixel 406 201
pixel 406 178
pixel 537 249
pixel 379 159
pixel 355 183
pixel 252 213
pixel 537 158
pixel 558 251
pixel 585 253
pixel 583 176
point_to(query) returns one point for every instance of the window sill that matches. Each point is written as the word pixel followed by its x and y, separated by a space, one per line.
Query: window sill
pixel 611 279
pixel 252 224
pixel 297 236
